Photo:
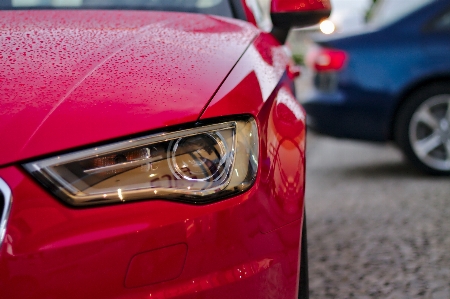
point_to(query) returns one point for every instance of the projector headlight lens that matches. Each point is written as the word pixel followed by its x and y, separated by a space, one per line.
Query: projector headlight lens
pixel 196 165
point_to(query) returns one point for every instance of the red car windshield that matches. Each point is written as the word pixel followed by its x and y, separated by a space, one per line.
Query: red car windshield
pixel 216 7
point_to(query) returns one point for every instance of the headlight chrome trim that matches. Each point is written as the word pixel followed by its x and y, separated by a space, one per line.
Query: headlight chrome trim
pixel 226 185
pixel 6 195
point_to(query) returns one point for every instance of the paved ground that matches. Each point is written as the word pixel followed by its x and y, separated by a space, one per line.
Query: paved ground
pixel 376 227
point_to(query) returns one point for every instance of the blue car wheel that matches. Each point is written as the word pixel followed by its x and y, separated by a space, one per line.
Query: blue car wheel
pixel 423 128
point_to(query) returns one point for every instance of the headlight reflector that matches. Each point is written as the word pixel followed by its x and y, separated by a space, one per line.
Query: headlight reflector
pixel 196 165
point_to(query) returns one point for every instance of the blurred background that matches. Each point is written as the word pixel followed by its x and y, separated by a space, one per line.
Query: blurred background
pixel 347 15
pixel 375 83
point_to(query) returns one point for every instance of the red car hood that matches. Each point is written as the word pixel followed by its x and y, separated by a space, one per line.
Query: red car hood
pixel 74 78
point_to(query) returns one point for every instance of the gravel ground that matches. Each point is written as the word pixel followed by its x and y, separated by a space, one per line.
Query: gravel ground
pixel 377 228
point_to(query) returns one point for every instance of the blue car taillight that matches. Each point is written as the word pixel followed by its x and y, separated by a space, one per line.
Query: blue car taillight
pixel 326 63
pixel 325 59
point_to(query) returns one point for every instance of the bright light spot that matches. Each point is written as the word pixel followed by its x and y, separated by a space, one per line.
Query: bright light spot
pixel 152 175
pixel 327 27
pixel 119 193
pixel 155 191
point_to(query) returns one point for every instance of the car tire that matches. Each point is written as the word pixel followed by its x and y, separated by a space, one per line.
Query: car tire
pixel 303 291
pixel 423 129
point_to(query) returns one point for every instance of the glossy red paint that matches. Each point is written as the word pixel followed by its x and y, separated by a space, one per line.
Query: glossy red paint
pixel 248 13
pixel 294 71
pixel 252 81
pixel 257 83
pixel 168 260
pixel 280 6
pixel 112 68
pixel 52 251
pixel 242 247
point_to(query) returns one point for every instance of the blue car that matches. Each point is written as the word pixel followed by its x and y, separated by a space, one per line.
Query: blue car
pixel 390 81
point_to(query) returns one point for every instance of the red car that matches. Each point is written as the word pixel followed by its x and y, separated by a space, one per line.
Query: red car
pixel 151 154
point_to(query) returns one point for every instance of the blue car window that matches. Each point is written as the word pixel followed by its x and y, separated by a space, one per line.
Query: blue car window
pixel 390 11
pixel 443 22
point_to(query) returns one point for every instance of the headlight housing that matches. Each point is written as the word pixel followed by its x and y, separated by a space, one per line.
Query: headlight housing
pixel 197 165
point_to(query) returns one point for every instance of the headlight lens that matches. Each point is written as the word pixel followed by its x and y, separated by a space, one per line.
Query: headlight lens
pixel 195 165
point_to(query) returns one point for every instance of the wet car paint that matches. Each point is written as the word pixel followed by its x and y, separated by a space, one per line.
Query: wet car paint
pixel 110 67
pixel 243 247
pixel 262 72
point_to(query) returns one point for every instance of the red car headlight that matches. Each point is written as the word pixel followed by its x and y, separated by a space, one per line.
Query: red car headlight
pixel 195 165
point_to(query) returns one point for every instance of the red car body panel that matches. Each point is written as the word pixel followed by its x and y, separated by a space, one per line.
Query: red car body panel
pixel 248 13
pixel 299 5
pixel 260 74
pixel 122 72
pixel 246 246
pixel 53 251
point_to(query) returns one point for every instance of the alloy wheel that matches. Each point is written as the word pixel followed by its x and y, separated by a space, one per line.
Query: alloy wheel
pixel 429 132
